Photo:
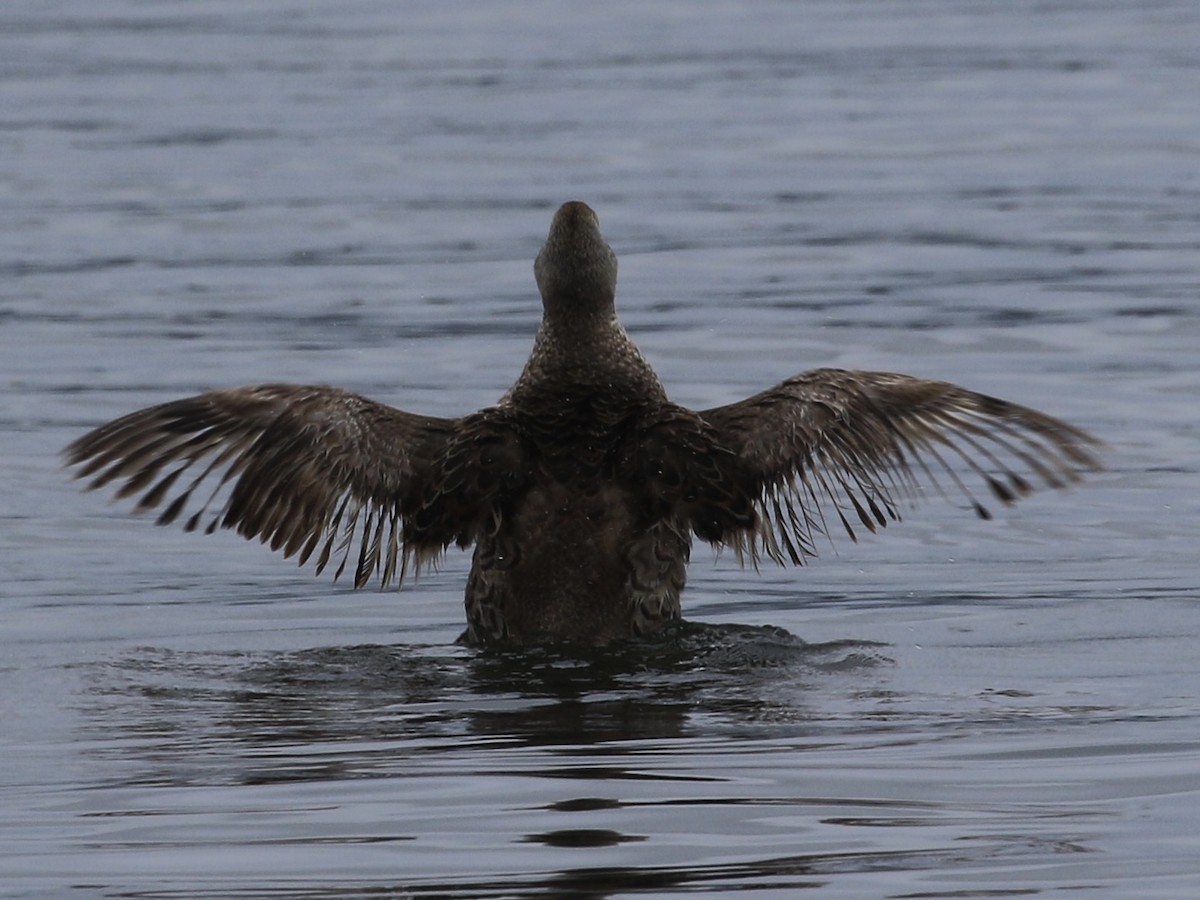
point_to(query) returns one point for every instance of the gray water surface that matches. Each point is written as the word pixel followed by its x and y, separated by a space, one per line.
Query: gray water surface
pixel 1004 195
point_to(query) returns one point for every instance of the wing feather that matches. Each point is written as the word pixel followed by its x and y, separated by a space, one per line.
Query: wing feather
pixel 304 469
pixel 861 442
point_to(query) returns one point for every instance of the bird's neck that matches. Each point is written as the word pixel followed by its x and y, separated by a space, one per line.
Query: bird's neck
pixel 589 349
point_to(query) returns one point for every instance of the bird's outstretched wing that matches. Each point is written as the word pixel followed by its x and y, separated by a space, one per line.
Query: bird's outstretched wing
pixel 856 443
pixel 305 469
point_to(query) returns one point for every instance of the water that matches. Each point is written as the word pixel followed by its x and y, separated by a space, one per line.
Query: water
pixel 1001 194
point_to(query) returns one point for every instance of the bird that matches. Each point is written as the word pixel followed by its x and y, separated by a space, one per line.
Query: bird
pixel 583 488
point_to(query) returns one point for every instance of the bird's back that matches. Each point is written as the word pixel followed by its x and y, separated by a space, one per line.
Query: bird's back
pixel 593 543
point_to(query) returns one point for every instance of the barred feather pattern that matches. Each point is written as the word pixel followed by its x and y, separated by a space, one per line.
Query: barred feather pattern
pixel 315 472
pixel 853 447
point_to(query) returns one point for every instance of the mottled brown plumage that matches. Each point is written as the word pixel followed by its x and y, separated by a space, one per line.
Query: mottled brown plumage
pixel 582 488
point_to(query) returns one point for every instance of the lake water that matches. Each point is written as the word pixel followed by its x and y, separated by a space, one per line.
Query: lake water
pixel 1005 195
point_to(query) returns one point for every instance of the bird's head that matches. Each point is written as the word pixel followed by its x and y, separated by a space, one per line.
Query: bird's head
pixel 576 270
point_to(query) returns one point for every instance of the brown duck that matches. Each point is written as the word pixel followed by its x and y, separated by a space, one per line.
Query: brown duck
pixel 582 488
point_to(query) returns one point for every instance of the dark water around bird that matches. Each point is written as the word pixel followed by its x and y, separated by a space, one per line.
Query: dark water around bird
pixel 1004 195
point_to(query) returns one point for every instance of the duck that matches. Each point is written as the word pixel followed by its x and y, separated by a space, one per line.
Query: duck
pixel 583 489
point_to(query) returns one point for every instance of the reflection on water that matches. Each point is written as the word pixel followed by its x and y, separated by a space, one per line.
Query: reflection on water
pixel 171 721
pixel 708 758
pixel 583 739
pixel 171 702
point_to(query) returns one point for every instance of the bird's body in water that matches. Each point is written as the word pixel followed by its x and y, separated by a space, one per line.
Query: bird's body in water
pixel 582 489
